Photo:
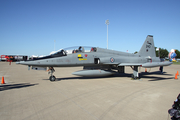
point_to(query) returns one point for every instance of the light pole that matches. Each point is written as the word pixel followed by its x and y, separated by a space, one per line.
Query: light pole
pixel 54 44
pixel 107 23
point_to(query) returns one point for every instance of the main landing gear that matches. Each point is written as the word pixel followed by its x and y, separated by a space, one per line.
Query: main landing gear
pixel 135 74
pixel 51 71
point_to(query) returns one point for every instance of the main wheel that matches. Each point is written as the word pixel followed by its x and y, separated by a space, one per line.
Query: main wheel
pixel 133 77
pixel 52 78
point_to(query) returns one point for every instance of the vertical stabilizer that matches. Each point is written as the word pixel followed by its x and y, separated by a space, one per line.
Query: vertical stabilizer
pixel 148 48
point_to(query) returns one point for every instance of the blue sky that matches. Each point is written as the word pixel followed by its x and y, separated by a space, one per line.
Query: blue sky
pixel 29 27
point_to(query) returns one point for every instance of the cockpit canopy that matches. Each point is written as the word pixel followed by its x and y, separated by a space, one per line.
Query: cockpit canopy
pixel 76 49
pixel 70 50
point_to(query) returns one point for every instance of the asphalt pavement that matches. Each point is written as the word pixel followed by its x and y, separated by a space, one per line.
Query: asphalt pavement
pixel 29 95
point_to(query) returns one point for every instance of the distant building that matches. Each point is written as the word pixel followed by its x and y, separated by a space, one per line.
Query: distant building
pixel 13 58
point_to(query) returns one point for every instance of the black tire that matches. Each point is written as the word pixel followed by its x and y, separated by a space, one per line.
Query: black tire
pixel 52 78
pixel 132 76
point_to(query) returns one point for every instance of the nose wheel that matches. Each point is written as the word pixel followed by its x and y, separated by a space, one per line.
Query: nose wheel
pixel 51 71
pixel 52 78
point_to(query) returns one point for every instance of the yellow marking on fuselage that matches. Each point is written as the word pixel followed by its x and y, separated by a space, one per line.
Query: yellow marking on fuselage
pixel 79 55
pixel 82 59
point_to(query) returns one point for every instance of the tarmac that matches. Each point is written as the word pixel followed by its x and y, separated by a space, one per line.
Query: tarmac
pixel 29 95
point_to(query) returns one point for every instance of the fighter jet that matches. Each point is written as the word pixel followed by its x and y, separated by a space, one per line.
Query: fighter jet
pixel 98 61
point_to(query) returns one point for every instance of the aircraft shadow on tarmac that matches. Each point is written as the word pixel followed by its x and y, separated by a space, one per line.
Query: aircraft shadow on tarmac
pixel 142 75
pixel 73 78
pixel 15 86
pixel 165 76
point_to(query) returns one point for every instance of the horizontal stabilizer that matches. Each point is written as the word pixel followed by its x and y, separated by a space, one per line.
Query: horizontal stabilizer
pixel 147 65
pixel 156 64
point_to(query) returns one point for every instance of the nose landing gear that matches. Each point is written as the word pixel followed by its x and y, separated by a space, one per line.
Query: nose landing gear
pixel 51 71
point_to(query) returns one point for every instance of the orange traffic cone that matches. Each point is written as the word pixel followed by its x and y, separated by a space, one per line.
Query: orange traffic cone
pixel 177 73
pixel 2 82
pixel 145 70
pixel 176 76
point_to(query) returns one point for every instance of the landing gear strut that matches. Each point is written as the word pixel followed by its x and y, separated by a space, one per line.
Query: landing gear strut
pixel 51 71
pixel 135 74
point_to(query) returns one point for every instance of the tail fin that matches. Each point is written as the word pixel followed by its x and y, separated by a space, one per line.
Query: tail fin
pixel 148 48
